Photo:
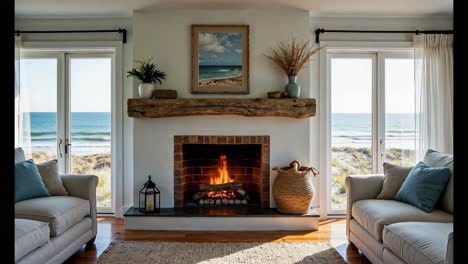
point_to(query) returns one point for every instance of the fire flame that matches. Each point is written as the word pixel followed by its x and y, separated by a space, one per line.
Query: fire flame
pixel 223 174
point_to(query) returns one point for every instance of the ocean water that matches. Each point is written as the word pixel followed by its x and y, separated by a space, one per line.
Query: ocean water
pixel 218 72
pixel 91 132
pixel 354 130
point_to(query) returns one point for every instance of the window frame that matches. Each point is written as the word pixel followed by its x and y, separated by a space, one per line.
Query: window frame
pixel 331 48
pixel 61 49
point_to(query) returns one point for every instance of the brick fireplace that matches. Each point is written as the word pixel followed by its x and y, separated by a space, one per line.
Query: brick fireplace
pixel 198 159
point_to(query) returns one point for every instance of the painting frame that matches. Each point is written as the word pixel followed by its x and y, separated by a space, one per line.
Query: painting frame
pixel 228 85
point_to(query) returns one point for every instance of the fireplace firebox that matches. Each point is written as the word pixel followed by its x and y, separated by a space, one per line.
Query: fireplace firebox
pixel 221 171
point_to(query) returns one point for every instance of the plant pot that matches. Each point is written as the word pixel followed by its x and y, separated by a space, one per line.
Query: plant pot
pixel 145 90
pixel 292 88
pixel 293 189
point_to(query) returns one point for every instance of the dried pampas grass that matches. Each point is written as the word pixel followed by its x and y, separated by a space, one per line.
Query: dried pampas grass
pixel 292 57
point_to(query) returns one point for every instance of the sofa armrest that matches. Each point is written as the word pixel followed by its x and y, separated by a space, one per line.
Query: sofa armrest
pixel 361 187
pixel 449 253
pixel 83 186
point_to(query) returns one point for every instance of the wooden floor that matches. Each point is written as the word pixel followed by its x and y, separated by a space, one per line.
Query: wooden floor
pixel 110 229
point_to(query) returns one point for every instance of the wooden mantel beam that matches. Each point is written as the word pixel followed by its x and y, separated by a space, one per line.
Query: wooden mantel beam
pixel 157 108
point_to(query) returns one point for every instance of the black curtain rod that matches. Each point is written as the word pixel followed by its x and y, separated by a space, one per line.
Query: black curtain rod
pixel 122 31
pixel 318 31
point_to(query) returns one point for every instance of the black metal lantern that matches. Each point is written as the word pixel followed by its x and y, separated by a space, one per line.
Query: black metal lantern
pixel 149 197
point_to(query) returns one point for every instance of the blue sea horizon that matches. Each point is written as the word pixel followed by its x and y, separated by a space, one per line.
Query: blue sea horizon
pixel 216 72
pixel 91 131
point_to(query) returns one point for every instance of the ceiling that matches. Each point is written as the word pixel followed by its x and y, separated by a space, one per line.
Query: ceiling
pixel 124 8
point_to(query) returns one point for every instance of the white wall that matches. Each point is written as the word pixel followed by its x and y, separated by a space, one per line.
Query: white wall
pixel 128 91
pixel 165 35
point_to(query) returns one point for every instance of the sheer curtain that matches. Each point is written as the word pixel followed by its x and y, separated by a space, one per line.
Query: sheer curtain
pixel 18 119
pixel 22 120
pixel 434 92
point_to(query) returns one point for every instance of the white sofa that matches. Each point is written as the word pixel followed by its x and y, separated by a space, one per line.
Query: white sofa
pixel 388 231
pixel 51 229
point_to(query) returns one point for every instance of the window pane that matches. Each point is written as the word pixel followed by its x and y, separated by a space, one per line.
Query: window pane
pixel 38 107
pixel 400 118
pixel 351 121
pixel 90 88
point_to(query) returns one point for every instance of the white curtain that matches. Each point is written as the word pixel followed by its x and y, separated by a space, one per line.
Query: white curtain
pixel 434 92
pixel 22 106
pixel 18 119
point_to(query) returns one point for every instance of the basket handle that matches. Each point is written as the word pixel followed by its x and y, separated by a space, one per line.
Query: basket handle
pixel 295 161
pixel 313 170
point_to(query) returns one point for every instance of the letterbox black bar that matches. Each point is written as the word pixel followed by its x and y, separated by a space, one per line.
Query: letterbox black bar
pixel 122 31
pixel 318 31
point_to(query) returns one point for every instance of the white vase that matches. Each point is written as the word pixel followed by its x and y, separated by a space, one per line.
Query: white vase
pixel 145 90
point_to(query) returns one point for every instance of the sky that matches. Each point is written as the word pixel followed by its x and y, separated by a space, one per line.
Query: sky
pixel 351 85
pixel 91 80
pixel 220 48
pixel 90 85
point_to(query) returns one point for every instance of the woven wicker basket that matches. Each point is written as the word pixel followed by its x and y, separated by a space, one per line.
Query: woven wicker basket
pixel 293 189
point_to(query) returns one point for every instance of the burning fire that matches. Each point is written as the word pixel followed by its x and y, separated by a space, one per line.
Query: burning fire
pixel 222 177
pixel 223 174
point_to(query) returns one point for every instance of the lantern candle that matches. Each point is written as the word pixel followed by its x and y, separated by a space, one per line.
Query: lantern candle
pixel 149 197
pixel 150 202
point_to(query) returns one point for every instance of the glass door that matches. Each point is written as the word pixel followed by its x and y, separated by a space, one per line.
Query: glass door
pixel 399 110
pixel 39 130
pixel 88 120
pixel 352 83
pixel 372 116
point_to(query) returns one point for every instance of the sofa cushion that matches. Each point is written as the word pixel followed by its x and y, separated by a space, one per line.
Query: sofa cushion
pixel 395 175
pixel 50 175
pixel 424 186
pixel 61 212
pixel 28 181
pixel 418 242
pixel 437 159
pixel 19 155
pixel 29 235
pixel 374 214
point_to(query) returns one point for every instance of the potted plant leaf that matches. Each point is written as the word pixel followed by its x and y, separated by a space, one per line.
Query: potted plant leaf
pixel 148 74
pixel 291 58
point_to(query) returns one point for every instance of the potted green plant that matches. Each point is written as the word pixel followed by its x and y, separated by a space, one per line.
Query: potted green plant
pixel 148 74
pixel 291 58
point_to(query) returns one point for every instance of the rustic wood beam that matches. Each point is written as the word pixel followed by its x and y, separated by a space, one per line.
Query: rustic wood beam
pixel 153 108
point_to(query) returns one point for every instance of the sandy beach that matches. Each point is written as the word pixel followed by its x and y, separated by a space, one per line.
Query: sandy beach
pixel 234 81
pixel 351 161
pixel 95 164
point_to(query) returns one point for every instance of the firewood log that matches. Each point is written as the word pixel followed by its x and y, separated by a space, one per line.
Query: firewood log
pixel 220 187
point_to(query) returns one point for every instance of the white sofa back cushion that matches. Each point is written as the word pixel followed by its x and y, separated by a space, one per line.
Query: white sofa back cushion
pixel 19 155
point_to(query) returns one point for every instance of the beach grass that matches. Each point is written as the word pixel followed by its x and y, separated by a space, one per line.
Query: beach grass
pixel 94 164
pixel 355 161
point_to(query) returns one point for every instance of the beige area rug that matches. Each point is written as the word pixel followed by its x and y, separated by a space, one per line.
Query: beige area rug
pixel 219 253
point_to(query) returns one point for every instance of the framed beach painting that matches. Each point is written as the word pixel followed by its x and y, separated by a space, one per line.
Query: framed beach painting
pixel 220 59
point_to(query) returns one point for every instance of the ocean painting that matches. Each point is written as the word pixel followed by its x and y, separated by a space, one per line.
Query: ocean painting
pixel 220 64
pixel 220 59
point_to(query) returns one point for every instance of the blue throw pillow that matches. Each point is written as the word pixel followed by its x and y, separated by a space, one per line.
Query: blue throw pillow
pixel 28 181
pixel 423 186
